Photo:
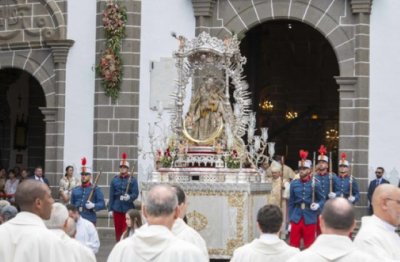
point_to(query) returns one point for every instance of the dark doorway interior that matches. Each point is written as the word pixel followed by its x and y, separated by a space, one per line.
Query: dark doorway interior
pixel 22 129
pixel 290 69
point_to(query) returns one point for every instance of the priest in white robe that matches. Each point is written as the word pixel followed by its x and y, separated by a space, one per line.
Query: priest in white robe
pixel 268 247
pixel 156 242
pixel 58 224
pixel 181 229
pixel 25 237
pixel 337 221
pixel 377 235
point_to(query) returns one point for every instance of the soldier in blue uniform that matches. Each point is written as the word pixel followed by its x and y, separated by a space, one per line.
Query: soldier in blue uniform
pixel 123 191
pixel 328 181
pixel 305 202
pixel 344 182
pixel 80 195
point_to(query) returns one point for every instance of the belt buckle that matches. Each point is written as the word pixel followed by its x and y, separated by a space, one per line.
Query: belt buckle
pixel 80 209
pixel 303 206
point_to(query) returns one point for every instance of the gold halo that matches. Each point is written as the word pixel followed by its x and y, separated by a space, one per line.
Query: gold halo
pixel 208 140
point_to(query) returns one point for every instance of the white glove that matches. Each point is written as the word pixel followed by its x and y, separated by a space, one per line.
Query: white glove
pixel 89 205
pixel 110 213
pixel 121 198
pixel 351 199
pixel 314 206
pixel 126 197
pixel 331 195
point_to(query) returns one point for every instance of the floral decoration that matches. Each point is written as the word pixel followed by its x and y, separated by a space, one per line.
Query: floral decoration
pixel 110 64
pixel 232 160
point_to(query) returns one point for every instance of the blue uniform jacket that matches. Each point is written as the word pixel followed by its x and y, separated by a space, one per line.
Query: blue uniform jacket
pixel 343 189
pixel 117 189
pixel 79 198
pixel 302 193
pixel 324 181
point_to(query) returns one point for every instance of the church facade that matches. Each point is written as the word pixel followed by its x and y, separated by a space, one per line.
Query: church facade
pixel 56 46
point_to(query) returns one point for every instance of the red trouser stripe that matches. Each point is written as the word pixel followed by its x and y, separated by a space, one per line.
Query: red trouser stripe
pixel 300 230
pixel 119 224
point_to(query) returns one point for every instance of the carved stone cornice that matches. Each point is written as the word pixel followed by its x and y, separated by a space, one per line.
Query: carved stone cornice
pixel 361 6
pixel 60 49
pixel 203 7
pixel 49 113
pixel 346 83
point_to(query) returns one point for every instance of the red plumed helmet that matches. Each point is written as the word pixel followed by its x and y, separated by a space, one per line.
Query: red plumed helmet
pixel 322 150
pixel 83 163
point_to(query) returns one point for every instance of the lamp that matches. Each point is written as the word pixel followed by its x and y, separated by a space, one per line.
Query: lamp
pixel 266 105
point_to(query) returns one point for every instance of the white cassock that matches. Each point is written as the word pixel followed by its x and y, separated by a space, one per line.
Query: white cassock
pixel 181 230
pixel 268 248
pixel 86 233
pixel 25 238
pixel 157 244
pixel 327 248
pixel 378 238
pixel 78 250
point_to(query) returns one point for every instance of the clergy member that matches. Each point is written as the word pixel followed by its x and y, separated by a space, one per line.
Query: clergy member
pixel 58 225
pixel 269 247
pixel 377 235
pixel 86 232
pixel 156 242
pixel 181 229
pixel 25 237
pixel 337 221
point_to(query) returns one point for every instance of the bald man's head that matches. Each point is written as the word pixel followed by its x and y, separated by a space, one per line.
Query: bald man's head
pixel 386 203
pixel 35 197
pixel 338 215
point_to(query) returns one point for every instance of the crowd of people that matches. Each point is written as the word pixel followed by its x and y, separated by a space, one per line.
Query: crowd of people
pixel 314 207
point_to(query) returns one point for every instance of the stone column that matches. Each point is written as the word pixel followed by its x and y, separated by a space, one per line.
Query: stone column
pixel 55 114
pixel 361 10
pixel 116 124
pixel 203 10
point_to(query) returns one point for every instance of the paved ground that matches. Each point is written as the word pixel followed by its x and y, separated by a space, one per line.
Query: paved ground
pixel 105 249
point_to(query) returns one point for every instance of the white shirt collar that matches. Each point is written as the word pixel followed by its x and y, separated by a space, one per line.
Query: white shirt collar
pixel 384 224
pixel 269 237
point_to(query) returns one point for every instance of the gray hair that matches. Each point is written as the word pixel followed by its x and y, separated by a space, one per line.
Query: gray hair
pixel 8 212
pixel 59 214
pixel 161 200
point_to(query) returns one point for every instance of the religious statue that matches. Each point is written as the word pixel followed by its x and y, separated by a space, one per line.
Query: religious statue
pixel 204 120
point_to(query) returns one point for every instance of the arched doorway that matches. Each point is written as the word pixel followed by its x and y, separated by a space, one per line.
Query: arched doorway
pixel 290 69
pixel 22 129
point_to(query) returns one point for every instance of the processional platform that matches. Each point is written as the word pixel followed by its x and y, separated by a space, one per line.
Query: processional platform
pixel 204 150
pixel 223 203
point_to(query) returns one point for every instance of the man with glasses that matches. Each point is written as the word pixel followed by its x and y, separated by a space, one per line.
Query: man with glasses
pixel 374 184
pixel 377 235
pixel 80 196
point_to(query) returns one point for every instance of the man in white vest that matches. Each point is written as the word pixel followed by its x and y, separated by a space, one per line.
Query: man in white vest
pixel 377 235
pixel 156 242
pixel 58 224
pixel 181 229
pixel 337 221
pixel 25 237
pixel 268 247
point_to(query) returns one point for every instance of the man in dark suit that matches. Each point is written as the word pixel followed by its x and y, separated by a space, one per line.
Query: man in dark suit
pixel 39 176
pixel 374 183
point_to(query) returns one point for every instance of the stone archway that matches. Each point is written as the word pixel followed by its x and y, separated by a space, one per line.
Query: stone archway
pixel 345 24
pixel 33 39
pixel 22 129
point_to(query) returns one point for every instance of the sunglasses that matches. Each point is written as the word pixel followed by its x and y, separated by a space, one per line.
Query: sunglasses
pixel 378 172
